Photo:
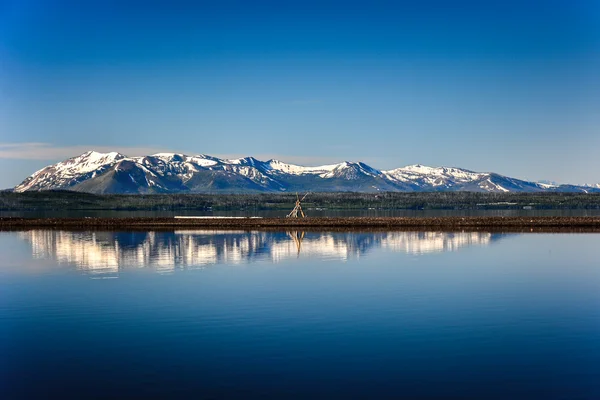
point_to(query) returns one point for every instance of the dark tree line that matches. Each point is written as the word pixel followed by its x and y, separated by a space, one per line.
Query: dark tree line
pixel 64 200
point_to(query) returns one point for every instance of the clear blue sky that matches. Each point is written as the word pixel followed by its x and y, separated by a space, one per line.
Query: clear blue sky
pixel 505 86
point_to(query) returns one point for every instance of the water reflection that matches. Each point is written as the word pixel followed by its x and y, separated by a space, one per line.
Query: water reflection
pixel 107 252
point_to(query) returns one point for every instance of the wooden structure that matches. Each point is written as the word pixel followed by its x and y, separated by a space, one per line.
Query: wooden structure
pixel 298 208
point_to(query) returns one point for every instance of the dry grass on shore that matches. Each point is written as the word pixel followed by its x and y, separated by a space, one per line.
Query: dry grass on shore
pixel 588 224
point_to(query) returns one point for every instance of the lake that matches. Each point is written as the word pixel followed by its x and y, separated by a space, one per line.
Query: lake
pixel 235 314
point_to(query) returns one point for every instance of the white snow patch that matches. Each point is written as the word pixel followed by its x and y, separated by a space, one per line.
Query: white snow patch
pixel 547 185
pixel 203 162
pixel 435 176
pixel 277 165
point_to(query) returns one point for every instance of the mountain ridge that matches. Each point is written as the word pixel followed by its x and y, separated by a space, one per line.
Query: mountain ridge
pixel 114 172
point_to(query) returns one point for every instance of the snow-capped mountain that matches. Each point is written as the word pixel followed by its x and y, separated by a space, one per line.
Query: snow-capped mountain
pixel 178 173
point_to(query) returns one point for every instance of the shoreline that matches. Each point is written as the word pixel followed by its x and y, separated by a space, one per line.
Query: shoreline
pixel 505 224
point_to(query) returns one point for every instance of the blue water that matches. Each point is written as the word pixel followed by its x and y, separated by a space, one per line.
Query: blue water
pixel 207 314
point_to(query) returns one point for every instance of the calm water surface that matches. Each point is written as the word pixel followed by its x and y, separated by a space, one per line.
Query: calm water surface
pixel 214 314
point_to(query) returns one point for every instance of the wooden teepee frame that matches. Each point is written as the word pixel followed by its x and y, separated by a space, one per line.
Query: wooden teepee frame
pixel 297 208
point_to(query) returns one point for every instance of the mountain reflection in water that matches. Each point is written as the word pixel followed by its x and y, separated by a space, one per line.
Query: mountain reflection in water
pixel 107 252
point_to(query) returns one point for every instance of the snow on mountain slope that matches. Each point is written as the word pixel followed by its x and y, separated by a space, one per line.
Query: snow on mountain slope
pixel 451 178
pixel 346 169
pixel 278 166
pixel 593 185
pixel 434 176
pixel 69 172
pixel 351 170
pixel 173 173
pixel 546 185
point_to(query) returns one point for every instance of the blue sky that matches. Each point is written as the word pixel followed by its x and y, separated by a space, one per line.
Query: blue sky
pixel 508 86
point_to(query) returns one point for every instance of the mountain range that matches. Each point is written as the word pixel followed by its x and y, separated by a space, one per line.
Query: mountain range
pixel 113 172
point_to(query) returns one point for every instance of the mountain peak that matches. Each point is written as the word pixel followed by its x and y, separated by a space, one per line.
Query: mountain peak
pixel 70 172
pixel 97 154
pixel 244 161
pixel 170 156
